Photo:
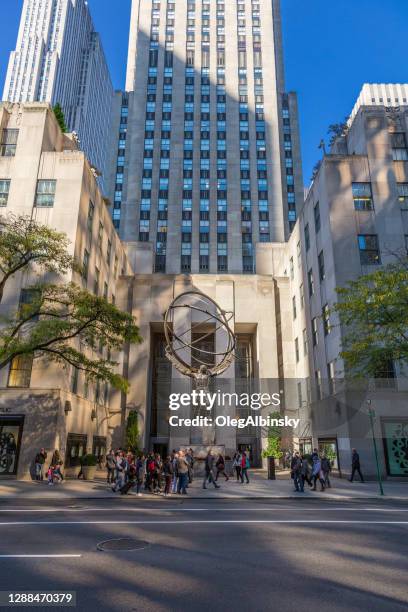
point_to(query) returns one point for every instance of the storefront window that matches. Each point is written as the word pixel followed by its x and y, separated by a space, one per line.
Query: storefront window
pixel 76 448
pixel 395 438
pixel 10 440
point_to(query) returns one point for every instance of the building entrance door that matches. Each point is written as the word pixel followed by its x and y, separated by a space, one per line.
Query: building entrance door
pixel 11 429
pixel 328 446
pixel 252 449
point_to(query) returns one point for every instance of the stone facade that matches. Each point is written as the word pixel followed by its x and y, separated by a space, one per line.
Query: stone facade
pixel 55 404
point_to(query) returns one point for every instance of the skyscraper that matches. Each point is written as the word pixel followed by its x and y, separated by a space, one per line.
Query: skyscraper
pixel 59 58
pixel 208 162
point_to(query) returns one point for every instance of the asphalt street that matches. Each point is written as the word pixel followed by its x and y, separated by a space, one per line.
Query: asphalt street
pixel 213 555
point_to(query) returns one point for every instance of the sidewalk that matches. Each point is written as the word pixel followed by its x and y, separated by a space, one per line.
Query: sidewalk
pixel 258 488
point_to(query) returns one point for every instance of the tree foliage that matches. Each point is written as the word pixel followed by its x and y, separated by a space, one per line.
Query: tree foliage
pixel 273 448
pixel 336 130
pixel 57 320
pixel 60 117
pixel 374 311
pixel 132 431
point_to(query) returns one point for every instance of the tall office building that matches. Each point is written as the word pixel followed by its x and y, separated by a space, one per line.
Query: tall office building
pixel 59 58
pixel 208 162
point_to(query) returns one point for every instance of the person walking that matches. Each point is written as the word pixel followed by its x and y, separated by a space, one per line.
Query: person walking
pixel 355 465
pixel 296 472
pixel 157 473
pixel 317 474
pixel 140 473
pixel 130 475
pixel 121 468
pixel 236 464
pixel 244 467
pixel 190 461
pixel 110 467
pixel 150 469
pixel 315 454
pixel 182 469
pixel 39 464
pixel 220 467
pixel 168 475
pixel 209 471
pixel 174 461
pixel 305 472
pixel 57 462
pixel 326 469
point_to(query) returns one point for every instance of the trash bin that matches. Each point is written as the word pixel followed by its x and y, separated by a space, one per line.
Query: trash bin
pixel 271 468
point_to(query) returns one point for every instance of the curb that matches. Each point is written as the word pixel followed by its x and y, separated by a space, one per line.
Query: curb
pixel 211 498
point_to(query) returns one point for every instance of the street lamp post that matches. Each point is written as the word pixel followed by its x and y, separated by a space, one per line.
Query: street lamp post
pixel 371 414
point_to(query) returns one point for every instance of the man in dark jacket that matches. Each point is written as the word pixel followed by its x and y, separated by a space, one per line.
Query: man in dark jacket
pixel 209 471
pixel 326 469
pixel 39 464
pixel 296 469
pixel 355 465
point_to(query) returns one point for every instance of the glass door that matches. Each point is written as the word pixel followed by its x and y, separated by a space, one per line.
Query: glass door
pixel 11 429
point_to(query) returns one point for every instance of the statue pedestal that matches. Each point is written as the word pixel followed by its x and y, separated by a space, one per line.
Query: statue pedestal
pixel 200 452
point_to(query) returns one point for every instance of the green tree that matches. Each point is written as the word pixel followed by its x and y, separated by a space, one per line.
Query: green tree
pixel 374 311
pixel 336 130
pixel 57 320
pixel 59 115
pixel 273 448
pixel 132 431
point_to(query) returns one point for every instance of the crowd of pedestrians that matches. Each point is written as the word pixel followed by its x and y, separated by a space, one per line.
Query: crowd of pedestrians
pixel 318 471
pixel 150 473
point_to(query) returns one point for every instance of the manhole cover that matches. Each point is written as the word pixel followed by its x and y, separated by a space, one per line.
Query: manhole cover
pixel 122 544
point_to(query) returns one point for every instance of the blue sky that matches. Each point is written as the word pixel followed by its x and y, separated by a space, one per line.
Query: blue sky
pixel 331 48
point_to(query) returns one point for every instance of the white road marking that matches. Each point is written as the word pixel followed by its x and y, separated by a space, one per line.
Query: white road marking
pixel 39 556
pixel 208 522
pixel 232 509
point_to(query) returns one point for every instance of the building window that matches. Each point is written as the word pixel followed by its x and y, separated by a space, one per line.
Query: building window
pixel 109 252
pixel 315 335
pixel 4 191
pixel 299 393
pixel 299 254
pixel 362 196
pixel 402 189
pixel 96 281
pixel 45 193
pixel 318 380
pixel 305 343
pixel 20 371
pixel 294 310
pixel 385 374
pixel 326 319
pixel 399 146
pixel 292 271
pixel 297 350
pixel 310 282
pixel 85 266
pixel 100 235
pixel 369 251
pixel 8 143
pixel 317 217
pixel 302 297
pixel 307 237
pixel 322 273
pixel 331 377
pixel 74 380
pixel 91 212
